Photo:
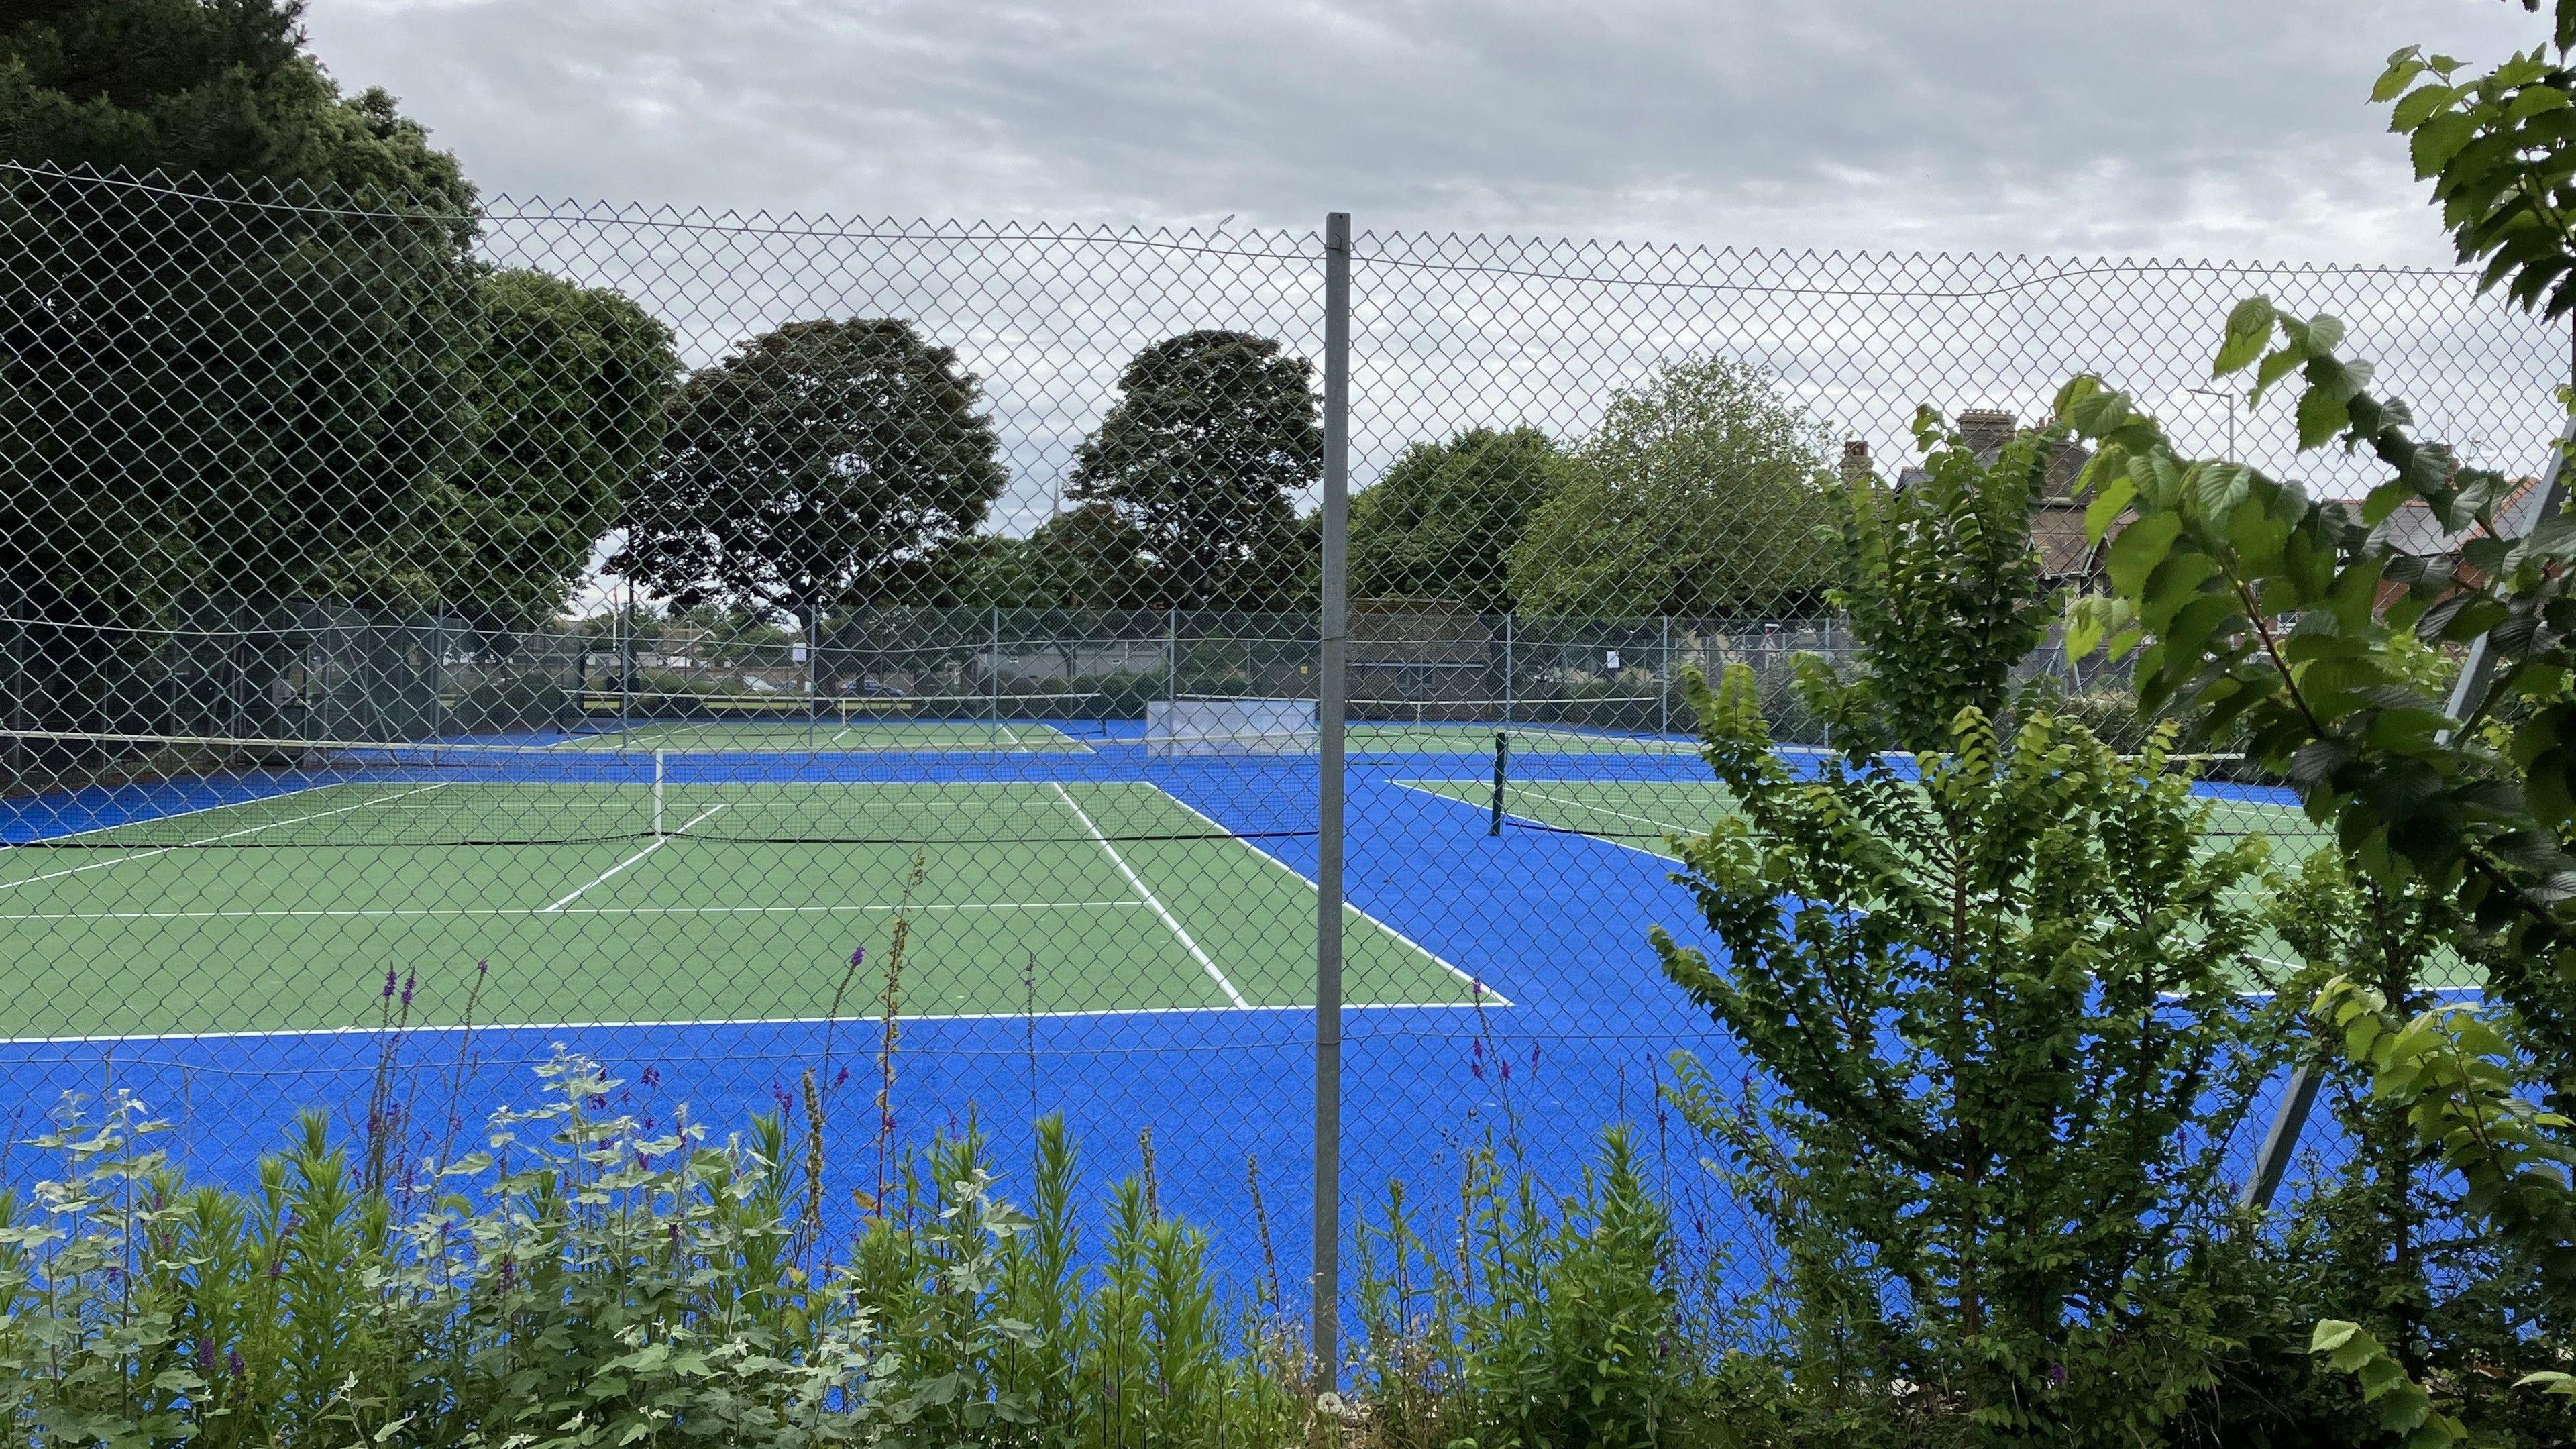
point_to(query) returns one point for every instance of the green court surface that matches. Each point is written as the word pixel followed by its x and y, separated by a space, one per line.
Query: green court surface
pixel 1638 813
pixel 840 736
pixel 1478 739
pixel 1645 815
pixel 1031 903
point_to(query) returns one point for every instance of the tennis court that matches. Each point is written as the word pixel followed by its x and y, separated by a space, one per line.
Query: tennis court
pixel 1640 807
pixel 667 887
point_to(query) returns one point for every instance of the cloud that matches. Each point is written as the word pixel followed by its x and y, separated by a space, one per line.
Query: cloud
pixel 2181 127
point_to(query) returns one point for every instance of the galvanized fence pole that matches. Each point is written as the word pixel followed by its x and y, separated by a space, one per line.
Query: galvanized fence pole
pixel 1332 629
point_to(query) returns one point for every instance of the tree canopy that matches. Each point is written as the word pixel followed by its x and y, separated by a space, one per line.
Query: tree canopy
pixel 568 388
pixel 206 88
pixel 1701 495
pixel 801 472
pixel 1213 436
pixel 1444 520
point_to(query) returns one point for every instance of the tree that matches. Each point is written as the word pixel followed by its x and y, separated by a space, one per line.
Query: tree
pixel 1699 496
pixel 2264 612
pixel 1986 965
pixel 204 88
pixel 1444 520
pixel 1212 437
pixel 568 387
pixel 812 467
pixel 216 387
pixel 1089 557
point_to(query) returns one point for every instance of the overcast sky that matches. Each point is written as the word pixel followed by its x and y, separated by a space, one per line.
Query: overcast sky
pixel 2222 128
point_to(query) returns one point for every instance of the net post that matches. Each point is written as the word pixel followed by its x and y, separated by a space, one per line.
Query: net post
pixel 1332 629
pixel 1502 752
pixel 657 794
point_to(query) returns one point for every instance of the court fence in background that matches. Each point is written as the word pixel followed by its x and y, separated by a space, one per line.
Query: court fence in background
pixel 733 647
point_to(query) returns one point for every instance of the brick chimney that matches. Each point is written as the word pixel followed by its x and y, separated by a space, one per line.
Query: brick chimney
pixel 1855 461
pixel 1986 431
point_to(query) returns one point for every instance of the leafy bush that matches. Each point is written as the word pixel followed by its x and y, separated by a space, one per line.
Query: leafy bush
pixel 513 701
pixel 1529 1323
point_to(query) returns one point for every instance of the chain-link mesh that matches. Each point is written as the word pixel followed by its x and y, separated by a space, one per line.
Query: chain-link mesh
pixel 873 669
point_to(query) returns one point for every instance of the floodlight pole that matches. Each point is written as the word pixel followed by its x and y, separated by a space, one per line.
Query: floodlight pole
pixel 1332 630
pixel 2467 693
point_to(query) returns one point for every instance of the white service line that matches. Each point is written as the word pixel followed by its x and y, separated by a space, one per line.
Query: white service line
pixel 218 839
pixel 1133 879
pixel 490 912
pixel 1601 809
pixel 1481 807
pixel 658 842
pixel 1479 988
pixel 694 1024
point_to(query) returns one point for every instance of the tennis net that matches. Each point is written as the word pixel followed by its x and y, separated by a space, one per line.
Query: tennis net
pixel 213 793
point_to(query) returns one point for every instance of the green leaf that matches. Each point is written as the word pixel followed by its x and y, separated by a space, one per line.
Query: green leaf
pixel 2140 547
pixel 2321 415
pixel 2249 331
pixel 2403 66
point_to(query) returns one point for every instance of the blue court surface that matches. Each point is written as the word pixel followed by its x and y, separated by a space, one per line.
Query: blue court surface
pixel 1097 931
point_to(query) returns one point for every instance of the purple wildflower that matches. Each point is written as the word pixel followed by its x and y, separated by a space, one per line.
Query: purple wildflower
pixel 858 958
pixel 409 979
pixel 651 1077
pixel 482 968
pixel 840 1076
pixel 232 1361
pixel 389 983
pixel 206 1357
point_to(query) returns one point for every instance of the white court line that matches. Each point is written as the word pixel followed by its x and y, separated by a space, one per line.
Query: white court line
pixel 1443 962
pixel 214 839
pixel 658 842
pixel 1601 809
pixel 700 1024
pixel 1136 881
pixel 1425 787
pixel 492 912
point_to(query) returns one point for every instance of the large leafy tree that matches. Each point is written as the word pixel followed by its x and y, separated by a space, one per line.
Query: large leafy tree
pixel 2277 616
pixel 821 466
pixel 1088 557
pixel 1701 495
pixel 1444 520
pixel 1986 963
pixel 204 88
pixel 1212 438
pixel 207 387
pixel 568 387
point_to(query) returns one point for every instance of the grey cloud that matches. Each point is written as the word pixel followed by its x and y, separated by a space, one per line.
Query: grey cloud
pixel 2187 126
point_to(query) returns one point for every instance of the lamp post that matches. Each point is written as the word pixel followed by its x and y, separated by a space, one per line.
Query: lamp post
pixel 2230 399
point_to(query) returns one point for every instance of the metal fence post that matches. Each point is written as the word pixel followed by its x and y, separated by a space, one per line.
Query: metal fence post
pixel 1507 669
pixel 2273 1159
pixel 1333 631
pixel 1664 680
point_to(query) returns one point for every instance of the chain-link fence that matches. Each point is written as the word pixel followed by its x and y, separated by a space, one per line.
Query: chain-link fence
pixel 881 670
